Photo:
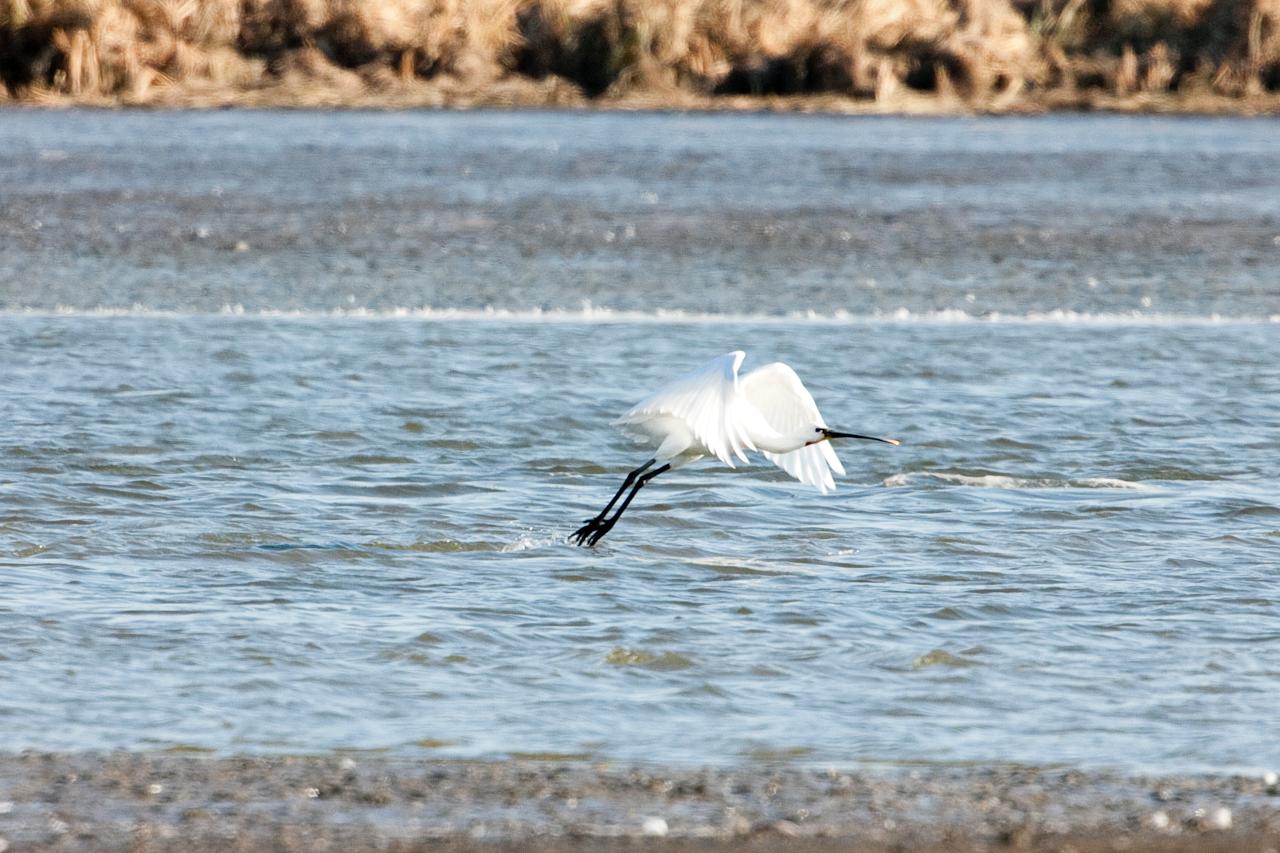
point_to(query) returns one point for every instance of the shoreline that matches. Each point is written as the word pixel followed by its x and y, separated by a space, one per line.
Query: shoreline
pixel 522 96
pixel 171 801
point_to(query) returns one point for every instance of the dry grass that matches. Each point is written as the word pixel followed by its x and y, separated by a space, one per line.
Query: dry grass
pixel 888 54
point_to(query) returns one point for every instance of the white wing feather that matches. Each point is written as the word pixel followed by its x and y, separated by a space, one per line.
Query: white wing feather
pixel 708 400
pixel 778 394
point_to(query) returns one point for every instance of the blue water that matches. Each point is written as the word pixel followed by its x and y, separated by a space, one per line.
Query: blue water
pixel 305 522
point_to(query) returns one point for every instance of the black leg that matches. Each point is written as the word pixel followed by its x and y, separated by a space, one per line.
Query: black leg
pixel 605 527
pixel 592 523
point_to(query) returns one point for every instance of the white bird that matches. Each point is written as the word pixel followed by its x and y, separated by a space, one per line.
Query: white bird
pixel 713 411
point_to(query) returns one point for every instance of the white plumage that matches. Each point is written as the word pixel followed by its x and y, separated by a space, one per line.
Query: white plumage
pixel 788 407
pixel 713 411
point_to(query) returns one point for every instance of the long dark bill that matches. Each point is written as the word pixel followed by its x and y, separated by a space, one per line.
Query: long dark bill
pixel 830 434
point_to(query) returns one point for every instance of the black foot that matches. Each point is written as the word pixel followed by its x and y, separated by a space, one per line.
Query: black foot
pixel 593 531
pixel 584 534
pixel 595 528
pixel 602 530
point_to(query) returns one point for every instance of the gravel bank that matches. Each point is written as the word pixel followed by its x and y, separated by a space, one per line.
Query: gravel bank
pixel 172 801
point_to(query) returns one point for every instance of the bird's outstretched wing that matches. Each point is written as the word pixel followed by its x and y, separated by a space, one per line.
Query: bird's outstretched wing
pixel 779 395
pixel 709 402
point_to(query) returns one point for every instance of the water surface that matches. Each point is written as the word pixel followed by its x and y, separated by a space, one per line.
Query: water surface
pixel 310 495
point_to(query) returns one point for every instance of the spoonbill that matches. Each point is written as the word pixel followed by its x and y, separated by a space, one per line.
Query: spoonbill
pixel 712 411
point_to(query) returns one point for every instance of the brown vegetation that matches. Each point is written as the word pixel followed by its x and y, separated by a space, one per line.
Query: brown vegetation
pixel 887 54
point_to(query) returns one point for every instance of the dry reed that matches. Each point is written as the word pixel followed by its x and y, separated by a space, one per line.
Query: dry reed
pixel 984 54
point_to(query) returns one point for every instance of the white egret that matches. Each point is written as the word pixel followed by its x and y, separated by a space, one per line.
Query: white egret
pixel 713 411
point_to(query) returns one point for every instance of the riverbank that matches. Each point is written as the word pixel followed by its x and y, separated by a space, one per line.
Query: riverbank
pixel 310 95
pixel 170 801
pixel 938 56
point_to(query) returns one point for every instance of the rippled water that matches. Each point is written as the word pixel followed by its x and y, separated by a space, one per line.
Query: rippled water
pixel 309 532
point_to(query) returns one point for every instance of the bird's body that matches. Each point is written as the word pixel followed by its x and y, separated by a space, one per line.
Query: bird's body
pixel 714 411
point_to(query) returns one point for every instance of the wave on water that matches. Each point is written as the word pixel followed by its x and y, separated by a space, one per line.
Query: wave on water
pixel 1002 481
pixel 589 313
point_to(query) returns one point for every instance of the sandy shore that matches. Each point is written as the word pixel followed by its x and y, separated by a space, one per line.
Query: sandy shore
pixel 556 94
pixel 169 801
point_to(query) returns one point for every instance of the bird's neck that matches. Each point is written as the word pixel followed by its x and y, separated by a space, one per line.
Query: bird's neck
pixel 763 435
pixel 771 441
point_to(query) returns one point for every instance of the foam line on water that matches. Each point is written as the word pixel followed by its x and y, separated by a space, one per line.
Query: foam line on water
pixel 588 313
pixel 1002 481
